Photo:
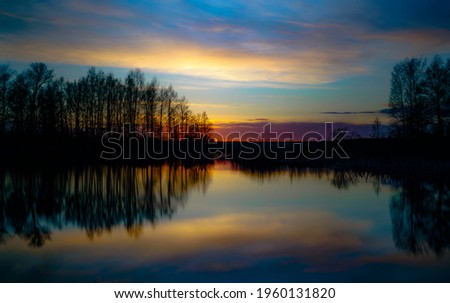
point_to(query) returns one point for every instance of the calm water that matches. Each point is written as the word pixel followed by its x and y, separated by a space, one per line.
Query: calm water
pixel 218 222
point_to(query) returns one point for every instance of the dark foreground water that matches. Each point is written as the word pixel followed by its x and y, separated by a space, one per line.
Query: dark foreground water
pixel 218 222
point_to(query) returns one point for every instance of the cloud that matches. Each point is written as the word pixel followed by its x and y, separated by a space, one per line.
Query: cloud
pixel 386 111
pixel 99 8
pixel 258 120
pixel 348 113
pixel 381 111
pixel 238 43
pixel 166 55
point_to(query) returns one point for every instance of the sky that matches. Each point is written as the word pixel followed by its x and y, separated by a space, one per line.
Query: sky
pixel 240 61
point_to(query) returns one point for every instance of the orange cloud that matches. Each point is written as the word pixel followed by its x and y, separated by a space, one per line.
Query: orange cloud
pixel 191 59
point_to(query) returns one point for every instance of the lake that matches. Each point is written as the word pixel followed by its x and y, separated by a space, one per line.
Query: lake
pixel 221 222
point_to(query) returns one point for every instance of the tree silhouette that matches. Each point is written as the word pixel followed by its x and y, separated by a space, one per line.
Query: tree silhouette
pixel 150 106
pixel 5 77
pixel 134 88
pixel 437 77
pixel 37 76
pixel 376 129
pixel 33 103
pixel 420 98
pixel 183 113
pixel 17 102
pixel 406 100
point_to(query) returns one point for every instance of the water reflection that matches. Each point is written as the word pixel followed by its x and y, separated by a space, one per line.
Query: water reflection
pixel 419 207
pixel 420 214
pixel 95 198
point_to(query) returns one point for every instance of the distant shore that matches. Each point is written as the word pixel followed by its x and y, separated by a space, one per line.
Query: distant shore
pixel 418 155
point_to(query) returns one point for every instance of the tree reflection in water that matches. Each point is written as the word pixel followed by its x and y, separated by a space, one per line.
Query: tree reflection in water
pixel 98 198
pixel 420 214
pixel 419 207
pixel 95 198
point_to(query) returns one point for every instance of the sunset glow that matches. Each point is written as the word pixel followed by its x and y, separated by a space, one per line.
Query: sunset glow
pixel 239 61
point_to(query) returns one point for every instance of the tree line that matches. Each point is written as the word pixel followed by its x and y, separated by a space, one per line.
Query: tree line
pixel 420 98
pixel 35 102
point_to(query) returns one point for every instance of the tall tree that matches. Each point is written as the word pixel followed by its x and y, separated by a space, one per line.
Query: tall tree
pixel 200 125
pixel 17 102
pixel 150 105
pixel 62 119
pixel 111 94
pixel 168 99
pixel 162 106
pixel 5 78
pixel 206 125
pixel 37 75
pixel 437 90
pixel 94 104
pixel 407 102
pixel 376 129
pixel 47 109
pixel 183 113
pixel 99 108
pixel 134 83
pixel 447 101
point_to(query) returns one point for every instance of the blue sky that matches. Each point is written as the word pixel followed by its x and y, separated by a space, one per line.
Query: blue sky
pixel 285 61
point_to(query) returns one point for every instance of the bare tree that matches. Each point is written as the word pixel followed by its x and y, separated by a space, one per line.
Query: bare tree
pixel 376 129
pixel 113 95
pixel 75 105
pixel 171 97
pixel 17 103
pixel 407 102
pixel 437 90
pixel 205 125
pixel 37 75
pixel 62 119
pixel 150 105
pixel 47 109
pixel 134 83
pixel 162 105
pixel 5 78
pixel 95 81
pixel 183 113
pixel 167 108
pixel 33 103
pixel 100 102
